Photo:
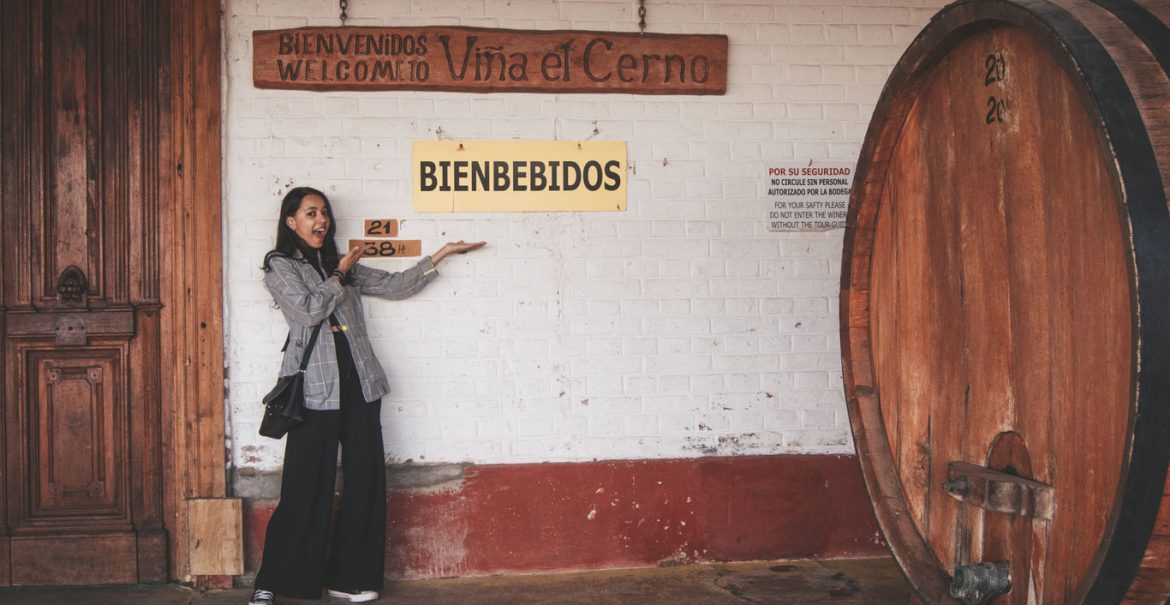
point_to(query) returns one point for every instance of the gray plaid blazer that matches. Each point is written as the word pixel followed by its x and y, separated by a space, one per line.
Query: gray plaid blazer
pixel 306 299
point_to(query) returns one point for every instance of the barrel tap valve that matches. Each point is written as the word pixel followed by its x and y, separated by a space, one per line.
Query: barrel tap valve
pixel 978 584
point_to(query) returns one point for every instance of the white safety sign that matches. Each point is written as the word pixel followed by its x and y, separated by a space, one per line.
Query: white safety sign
pixel 808 196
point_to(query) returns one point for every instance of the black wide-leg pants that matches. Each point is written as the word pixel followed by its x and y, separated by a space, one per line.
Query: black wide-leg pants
pixel 298 536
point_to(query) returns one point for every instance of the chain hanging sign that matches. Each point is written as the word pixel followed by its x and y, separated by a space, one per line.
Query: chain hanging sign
pixel 471 59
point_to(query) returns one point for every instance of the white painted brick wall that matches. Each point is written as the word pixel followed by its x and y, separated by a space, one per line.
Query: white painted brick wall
pixel 679 328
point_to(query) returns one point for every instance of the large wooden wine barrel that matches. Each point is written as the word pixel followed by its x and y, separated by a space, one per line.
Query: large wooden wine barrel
pixel 1005 303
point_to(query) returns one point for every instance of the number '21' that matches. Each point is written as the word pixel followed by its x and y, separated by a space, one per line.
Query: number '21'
pixel 382 227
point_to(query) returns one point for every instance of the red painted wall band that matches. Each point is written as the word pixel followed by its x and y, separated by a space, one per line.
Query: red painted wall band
pixel 521 518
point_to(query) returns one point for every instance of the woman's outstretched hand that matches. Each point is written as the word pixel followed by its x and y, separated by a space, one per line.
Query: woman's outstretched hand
pixel 459 247
pixel 350 259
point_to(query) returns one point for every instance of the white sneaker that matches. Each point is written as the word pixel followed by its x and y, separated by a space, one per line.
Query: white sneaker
pixel 360 596
pixel 262 597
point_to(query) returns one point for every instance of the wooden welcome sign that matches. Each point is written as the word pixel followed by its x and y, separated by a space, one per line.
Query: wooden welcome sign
pixel 471 59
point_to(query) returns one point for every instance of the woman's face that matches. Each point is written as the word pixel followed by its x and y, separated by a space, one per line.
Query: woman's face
pixel 311 221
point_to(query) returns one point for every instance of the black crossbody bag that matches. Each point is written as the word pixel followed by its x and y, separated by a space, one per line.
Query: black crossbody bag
pixel 284 405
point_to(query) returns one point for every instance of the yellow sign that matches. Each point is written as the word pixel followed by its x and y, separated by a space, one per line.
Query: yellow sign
pixel 519 176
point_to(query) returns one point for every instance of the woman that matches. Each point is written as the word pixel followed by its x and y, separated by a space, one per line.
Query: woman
pixel 344 385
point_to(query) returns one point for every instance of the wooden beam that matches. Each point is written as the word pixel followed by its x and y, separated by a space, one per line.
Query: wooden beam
pixel 192 277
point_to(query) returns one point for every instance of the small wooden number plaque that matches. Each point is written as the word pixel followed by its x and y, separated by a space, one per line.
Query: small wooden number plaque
pixel 381 227
pixel 388 247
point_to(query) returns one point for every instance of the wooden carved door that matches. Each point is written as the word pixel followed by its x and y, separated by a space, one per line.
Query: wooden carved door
pixel 83 117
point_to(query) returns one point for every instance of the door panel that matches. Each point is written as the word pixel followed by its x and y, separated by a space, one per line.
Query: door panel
pixel 84 103
pixel 77 432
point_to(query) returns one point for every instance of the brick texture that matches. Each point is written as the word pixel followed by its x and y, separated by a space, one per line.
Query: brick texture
pixel 679 328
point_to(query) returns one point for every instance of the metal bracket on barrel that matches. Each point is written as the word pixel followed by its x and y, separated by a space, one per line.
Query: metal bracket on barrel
pixel 998 491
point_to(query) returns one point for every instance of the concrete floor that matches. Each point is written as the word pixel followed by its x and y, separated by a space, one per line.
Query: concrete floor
pixel 845 582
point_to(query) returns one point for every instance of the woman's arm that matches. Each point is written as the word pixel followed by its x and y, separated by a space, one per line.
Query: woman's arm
pixel 393 286
pixel 300 302
pixel 397 286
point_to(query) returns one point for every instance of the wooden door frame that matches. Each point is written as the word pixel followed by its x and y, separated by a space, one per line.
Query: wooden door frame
pixel 192 287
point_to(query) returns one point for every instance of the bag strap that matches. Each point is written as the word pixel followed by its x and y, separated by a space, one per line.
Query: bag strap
pixel 309 348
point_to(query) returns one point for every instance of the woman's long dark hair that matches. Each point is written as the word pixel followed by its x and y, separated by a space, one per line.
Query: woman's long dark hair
pixel 287 240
